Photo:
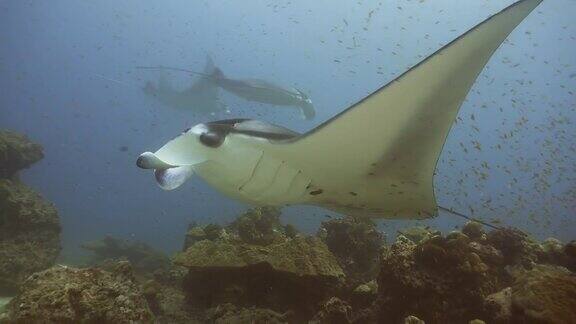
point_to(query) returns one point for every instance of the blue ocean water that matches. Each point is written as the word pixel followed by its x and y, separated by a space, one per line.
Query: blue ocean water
pixel 68 80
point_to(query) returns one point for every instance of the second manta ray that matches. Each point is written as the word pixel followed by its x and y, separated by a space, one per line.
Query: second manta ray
pixel 201 96
pixel 255 90
pixel 376 158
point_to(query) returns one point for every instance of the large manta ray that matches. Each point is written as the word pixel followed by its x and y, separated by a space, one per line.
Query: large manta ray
pixel 255 90
pixel 201 96
pixel 376 158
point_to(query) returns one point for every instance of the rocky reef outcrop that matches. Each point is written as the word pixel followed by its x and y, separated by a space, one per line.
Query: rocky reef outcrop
pixel 257 270
pixel 17 152
pixel 69 295
pixel 357 245
pixel 471 275
pixel 144 258
pixel 441 280
pixel 255 263
pixel 254 270
pixel 231 314
pixel 544 294
pixel 29 225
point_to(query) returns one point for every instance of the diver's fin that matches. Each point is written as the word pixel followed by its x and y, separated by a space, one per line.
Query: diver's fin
pixel 170 179
pixel 383 151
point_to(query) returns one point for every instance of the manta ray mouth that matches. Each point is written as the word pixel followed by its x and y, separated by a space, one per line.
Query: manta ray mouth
pixel 170 179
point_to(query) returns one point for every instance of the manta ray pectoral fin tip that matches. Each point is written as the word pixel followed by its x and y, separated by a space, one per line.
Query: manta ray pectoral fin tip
pixel 149 160
pixel 141 162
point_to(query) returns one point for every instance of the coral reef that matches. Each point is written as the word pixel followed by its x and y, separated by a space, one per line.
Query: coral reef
pixel 498 306
pixel 357 245
pixel 17 152
pixel 418 234
pixel 143 258
pixel 260 226
pixel 29 225
pixel 29 234
pixel 294 274
pixel 254 270
pixel 544 294
pixel 334 311
pixel 466 276
pixel 257 264
pixel 168 303
pixel 230 314
pixel 422 278
pixel 516 246
pixel 197 233
pixel 69 295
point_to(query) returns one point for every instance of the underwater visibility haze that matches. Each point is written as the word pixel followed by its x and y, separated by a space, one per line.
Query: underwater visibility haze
pixel 423 139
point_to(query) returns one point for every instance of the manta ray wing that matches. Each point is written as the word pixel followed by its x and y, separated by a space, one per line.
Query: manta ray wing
pixel 379 156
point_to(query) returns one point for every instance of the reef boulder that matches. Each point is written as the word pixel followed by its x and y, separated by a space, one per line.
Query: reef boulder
pixel 334 311
pixel 69 295
pixel 197 233
pixel 143 258
pixel 544 294
pixel 29 234
pixel 439 279
pixel 357 245
pixel 17 152
pixel 231 314
pixel 267 270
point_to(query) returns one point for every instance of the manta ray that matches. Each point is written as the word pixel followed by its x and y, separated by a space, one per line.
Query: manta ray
pixel 201 96
pixel 377 158
pixel 262 91
pixel 255 90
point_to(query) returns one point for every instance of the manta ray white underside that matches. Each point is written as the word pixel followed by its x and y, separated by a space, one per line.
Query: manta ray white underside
pixel 376 158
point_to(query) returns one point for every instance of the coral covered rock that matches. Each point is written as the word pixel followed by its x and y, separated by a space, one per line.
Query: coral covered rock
pixel 287 274
pixel 17 152
pixel 557 254
pixel 460 278
pixel 168 303
pixel 29 233
pixel 334 311
pixel 499 306
pixel 474 230
pixel 230 314
pixel 69 295
pixel 440 280
pixel 258 225
pixel 143 258
pixel 197 233
pixel 357 245
pixel 516 246
pixel 418 234
pixel 298 256
pixel 544 294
